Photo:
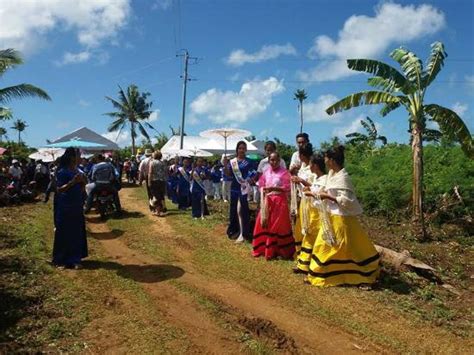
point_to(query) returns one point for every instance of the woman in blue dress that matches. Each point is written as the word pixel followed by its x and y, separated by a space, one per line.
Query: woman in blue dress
pixel 198 191
pixel 172 183
pixel 184 180
pixel 242 172
pixel 70 242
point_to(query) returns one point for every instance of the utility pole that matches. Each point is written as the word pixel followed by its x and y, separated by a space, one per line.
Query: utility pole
pixel 185 83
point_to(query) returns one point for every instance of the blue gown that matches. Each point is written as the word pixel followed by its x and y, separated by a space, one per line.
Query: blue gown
pixel 233 229
pixel 183 190
pixel 198 201
pixel 171 187
pixel 70 242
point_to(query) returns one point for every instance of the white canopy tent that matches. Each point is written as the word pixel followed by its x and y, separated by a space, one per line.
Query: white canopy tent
pixel 212 145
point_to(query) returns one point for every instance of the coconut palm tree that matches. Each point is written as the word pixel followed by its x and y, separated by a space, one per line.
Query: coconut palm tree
pixel 300 95
pixel 370 138
pixel 133 110
pixel 3 133
pixel 407 89
pixel 19 125
pixel 9 58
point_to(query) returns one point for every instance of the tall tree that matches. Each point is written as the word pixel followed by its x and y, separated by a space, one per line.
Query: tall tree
pixel 10 58
pixel 3 133
pixel 19 125
pixel 133 110
pixel 407 89
pixel 370 138
pixel 300 96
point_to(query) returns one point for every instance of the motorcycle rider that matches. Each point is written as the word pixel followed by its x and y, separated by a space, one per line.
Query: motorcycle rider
pixel 104 175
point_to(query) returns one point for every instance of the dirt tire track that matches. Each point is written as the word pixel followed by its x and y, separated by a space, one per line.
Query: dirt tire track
pixel 242 303
pixel 177 309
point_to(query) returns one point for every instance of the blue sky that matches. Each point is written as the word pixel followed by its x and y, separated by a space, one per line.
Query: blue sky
pixel 252 56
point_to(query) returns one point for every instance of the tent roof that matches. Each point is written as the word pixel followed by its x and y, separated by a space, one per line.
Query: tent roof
pixel 89 135
pixel 212 145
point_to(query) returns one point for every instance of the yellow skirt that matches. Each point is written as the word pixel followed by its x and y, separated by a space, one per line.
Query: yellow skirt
pixel 313 217
pixel 303 259
pixel 353 261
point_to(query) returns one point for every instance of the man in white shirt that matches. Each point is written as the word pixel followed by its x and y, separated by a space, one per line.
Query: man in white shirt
pixel 16 173
pixel 301 140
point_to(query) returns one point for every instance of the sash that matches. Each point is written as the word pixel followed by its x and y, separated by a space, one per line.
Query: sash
pixel 294 199
pixel 328 234
pixel 184 174
pixel 197 178
pixel 244 184
pixel 263 208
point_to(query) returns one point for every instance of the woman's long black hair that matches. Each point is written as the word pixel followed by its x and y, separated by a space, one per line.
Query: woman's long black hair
pixel 68 156
pixel 239 143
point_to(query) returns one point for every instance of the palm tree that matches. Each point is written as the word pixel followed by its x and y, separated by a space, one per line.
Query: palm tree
pixel 9 58
pixel 161 140
pixel 300 95
pixel 19 125
pixel 132 109
pixel 408 90
pixel 3 133
pixel 370 138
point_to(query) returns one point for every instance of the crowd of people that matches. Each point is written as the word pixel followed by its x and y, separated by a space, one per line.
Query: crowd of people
pixel 306 212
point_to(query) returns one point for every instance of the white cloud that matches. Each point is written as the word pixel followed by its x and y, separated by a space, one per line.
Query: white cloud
pixel 239 57
pixel 253 98
pixel 74 58
pixel 84 103
pixel 161 4
pixel 370 37
pixel 154 116
pixel 122 139
pixel 460 108
pixel 316 111
pixel 92 21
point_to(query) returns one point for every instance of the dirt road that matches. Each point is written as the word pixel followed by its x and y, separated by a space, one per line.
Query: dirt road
pixel 239 310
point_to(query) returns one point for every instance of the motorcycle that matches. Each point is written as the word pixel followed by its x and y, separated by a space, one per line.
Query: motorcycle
pixel 104 201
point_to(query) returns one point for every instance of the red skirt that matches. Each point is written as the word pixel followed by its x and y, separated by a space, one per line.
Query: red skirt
pixel 277 238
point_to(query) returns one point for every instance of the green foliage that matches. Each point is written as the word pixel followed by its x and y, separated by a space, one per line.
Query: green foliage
pixel 285 150
pixel 15 150
pixel 383 179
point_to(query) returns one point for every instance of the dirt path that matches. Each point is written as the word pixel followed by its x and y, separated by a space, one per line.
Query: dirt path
pixel 241 308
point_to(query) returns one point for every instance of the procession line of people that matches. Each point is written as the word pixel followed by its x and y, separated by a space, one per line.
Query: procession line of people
pixel 308 216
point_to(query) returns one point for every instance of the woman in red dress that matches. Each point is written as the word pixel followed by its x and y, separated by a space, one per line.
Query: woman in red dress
pixel 272 236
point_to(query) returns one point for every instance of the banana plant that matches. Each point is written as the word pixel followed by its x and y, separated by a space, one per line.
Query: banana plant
pixel 370 138
pixel 407 89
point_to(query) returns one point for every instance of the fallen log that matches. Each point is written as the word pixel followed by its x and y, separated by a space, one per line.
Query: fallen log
pixel 398 260
pixel 403 260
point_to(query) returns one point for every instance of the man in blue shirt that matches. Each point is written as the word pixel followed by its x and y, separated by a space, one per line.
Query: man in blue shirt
pixel 104 175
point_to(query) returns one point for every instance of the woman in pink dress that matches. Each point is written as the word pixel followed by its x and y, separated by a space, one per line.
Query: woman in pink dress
pixel 272 236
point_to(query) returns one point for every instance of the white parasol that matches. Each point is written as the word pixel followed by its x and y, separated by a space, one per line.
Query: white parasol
pixel 225 133
pixel 47 155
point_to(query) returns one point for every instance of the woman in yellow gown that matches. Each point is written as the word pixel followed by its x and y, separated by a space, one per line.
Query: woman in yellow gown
pixel 306 220
pixel 317 167
pixel 343 252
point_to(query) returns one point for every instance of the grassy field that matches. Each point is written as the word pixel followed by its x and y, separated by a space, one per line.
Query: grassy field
pixel 112 304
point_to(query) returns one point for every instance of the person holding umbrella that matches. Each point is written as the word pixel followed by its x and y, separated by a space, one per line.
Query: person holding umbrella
pixel 184 181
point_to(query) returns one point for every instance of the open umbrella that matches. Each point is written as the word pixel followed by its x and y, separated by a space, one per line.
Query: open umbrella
pixel 47 155
pixel 225 133
pixel 2 150
pixel 75 143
